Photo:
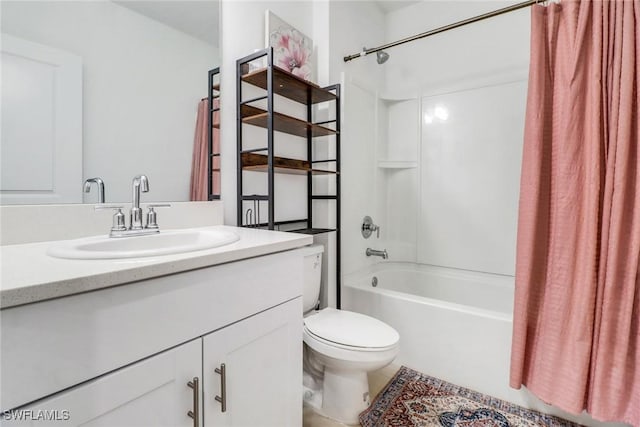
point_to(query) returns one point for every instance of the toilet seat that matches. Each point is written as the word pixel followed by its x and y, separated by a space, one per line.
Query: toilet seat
pixel 353 357
pixel 350 331
pixel 345 352
pixel 357 358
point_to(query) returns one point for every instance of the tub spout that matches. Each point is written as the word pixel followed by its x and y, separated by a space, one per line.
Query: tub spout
pixel 374 252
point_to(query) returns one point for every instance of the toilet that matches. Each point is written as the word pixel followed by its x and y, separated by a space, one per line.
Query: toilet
pixel 340 347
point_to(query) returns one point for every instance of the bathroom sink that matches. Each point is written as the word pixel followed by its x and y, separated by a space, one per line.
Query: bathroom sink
pixel 163 243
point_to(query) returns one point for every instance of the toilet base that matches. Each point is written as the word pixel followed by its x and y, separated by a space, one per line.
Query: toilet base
pixel 345 394
pixel 312 398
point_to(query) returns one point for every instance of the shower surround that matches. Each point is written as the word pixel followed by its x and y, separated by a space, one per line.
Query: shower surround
pixel 444 176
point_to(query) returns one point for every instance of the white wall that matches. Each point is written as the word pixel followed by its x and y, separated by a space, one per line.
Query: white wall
pixel 355 24
pixel 142 83
pixel 480 49
pixel 470 176
pixel 243 32
pixel 465 189
pixel 398 147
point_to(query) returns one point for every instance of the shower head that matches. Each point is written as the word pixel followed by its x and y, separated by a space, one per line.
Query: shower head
pixel 382 56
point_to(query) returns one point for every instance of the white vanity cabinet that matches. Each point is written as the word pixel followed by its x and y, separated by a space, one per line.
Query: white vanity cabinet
pixel 123 356
pixel 152 392
pixel 256 358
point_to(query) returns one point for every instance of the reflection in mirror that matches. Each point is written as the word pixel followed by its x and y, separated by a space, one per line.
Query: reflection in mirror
pixel 103 89
pixel 205 170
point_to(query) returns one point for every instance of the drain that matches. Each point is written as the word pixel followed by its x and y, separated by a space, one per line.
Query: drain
pixel 374 281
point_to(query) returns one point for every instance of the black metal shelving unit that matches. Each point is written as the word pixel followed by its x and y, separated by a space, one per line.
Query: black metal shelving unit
pixel 276 81
pixel 213 94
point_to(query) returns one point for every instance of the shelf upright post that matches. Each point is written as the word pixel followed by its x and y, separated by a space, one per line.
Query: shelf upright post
pixel 338 231
pixel 210 132
pixel 270 163
pixel 239 192
pixel 210 122
pixel 309 159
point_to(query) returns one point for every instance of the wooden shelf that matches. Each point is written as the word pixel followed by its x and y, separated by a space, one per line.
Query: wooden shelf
pixel 255 109
pixel 258 162
pixel 290 86
pixel 282 123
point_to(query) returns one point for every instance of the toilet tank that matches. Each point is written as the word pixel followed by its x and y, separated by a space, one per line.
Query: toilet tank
pixel 312 276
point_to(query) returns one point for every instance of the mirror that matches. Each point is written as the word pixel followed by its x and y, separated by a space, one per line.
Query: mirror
pixel 107 89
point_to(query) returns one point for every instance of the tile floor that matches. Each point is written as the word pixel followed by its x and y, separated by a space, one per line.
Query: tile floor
pixel 377 381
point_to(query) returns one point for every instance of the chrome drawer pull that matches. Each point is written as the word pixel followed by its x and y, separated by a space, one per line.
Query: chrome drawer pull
pixel 195 414
pixel 223 387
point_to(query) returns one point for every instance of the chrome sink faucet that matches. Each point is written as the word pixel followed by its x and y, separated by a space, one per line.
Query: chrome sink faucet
pixel 99 184
pixel 140 183
pixel 119 229
pixel 372 252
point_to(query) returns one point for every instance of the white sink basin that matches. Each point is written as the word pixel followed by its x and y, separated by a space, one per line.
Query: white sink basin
pixel 163 243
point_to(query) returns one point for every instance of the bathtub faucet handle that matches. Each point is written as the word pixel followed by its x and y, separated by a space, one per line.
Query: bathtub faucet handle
pixel 369 227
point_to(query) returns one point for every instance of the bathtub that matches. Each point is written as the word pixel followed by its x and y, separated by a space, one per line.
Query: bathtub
pixel 453 324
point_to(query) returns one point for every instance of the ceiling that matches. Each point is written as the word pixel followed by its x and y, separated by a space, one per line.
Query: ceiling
pixel 393 5
pixel 197 18
pixel 200 18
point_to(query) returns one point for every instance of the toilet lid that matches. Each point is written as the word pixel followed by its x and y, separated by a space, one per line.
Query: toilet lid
pixel 351 329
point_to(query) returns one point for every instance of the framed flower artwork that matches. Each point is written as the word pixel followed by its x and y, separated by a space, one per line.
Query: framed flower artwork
pixel 293 51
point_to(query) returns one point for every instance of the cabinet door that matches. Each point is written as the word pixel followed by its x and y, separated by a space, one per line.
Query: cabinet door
pixel 262 357
pixel 152 392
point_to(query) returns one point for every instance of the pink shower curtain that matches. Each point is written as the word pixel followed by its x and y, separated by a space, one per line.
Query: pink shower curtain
pixel 199 176
pixel 576 338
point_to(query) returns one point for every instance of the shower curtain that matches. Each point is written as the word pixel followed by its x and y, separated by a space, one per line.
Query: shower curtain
pixel 199 163
pixel 576 338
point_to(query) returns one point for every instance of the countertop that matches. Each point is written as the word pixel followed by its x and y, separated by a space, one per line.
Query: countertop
pixel 29 275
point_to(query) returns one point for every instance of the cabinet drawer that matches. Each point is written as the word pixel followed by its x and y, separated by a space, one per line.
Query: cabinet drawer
pixel 53 345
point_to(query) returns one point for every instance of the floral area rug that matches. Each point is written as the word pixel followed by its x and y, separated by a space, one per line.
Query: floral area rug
pixel 412 399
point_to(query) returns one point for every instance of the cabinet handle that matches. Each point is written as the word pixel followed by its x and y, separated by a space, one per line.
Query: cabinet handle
pixel 195 414
pixel 222 370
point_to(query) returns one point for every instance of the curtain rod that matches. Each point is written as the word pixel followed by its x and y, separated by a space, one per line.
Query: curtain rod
pixel 507 9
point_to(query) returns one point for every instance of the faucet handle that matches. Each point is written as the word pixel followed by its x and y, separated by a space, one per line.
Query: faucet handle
pixel 152 217
pixel 369 227
pixel 118 217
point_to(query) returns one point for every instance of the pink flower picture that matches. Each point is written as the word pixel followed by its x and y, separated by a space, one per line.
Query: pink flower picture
pixel 292 49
